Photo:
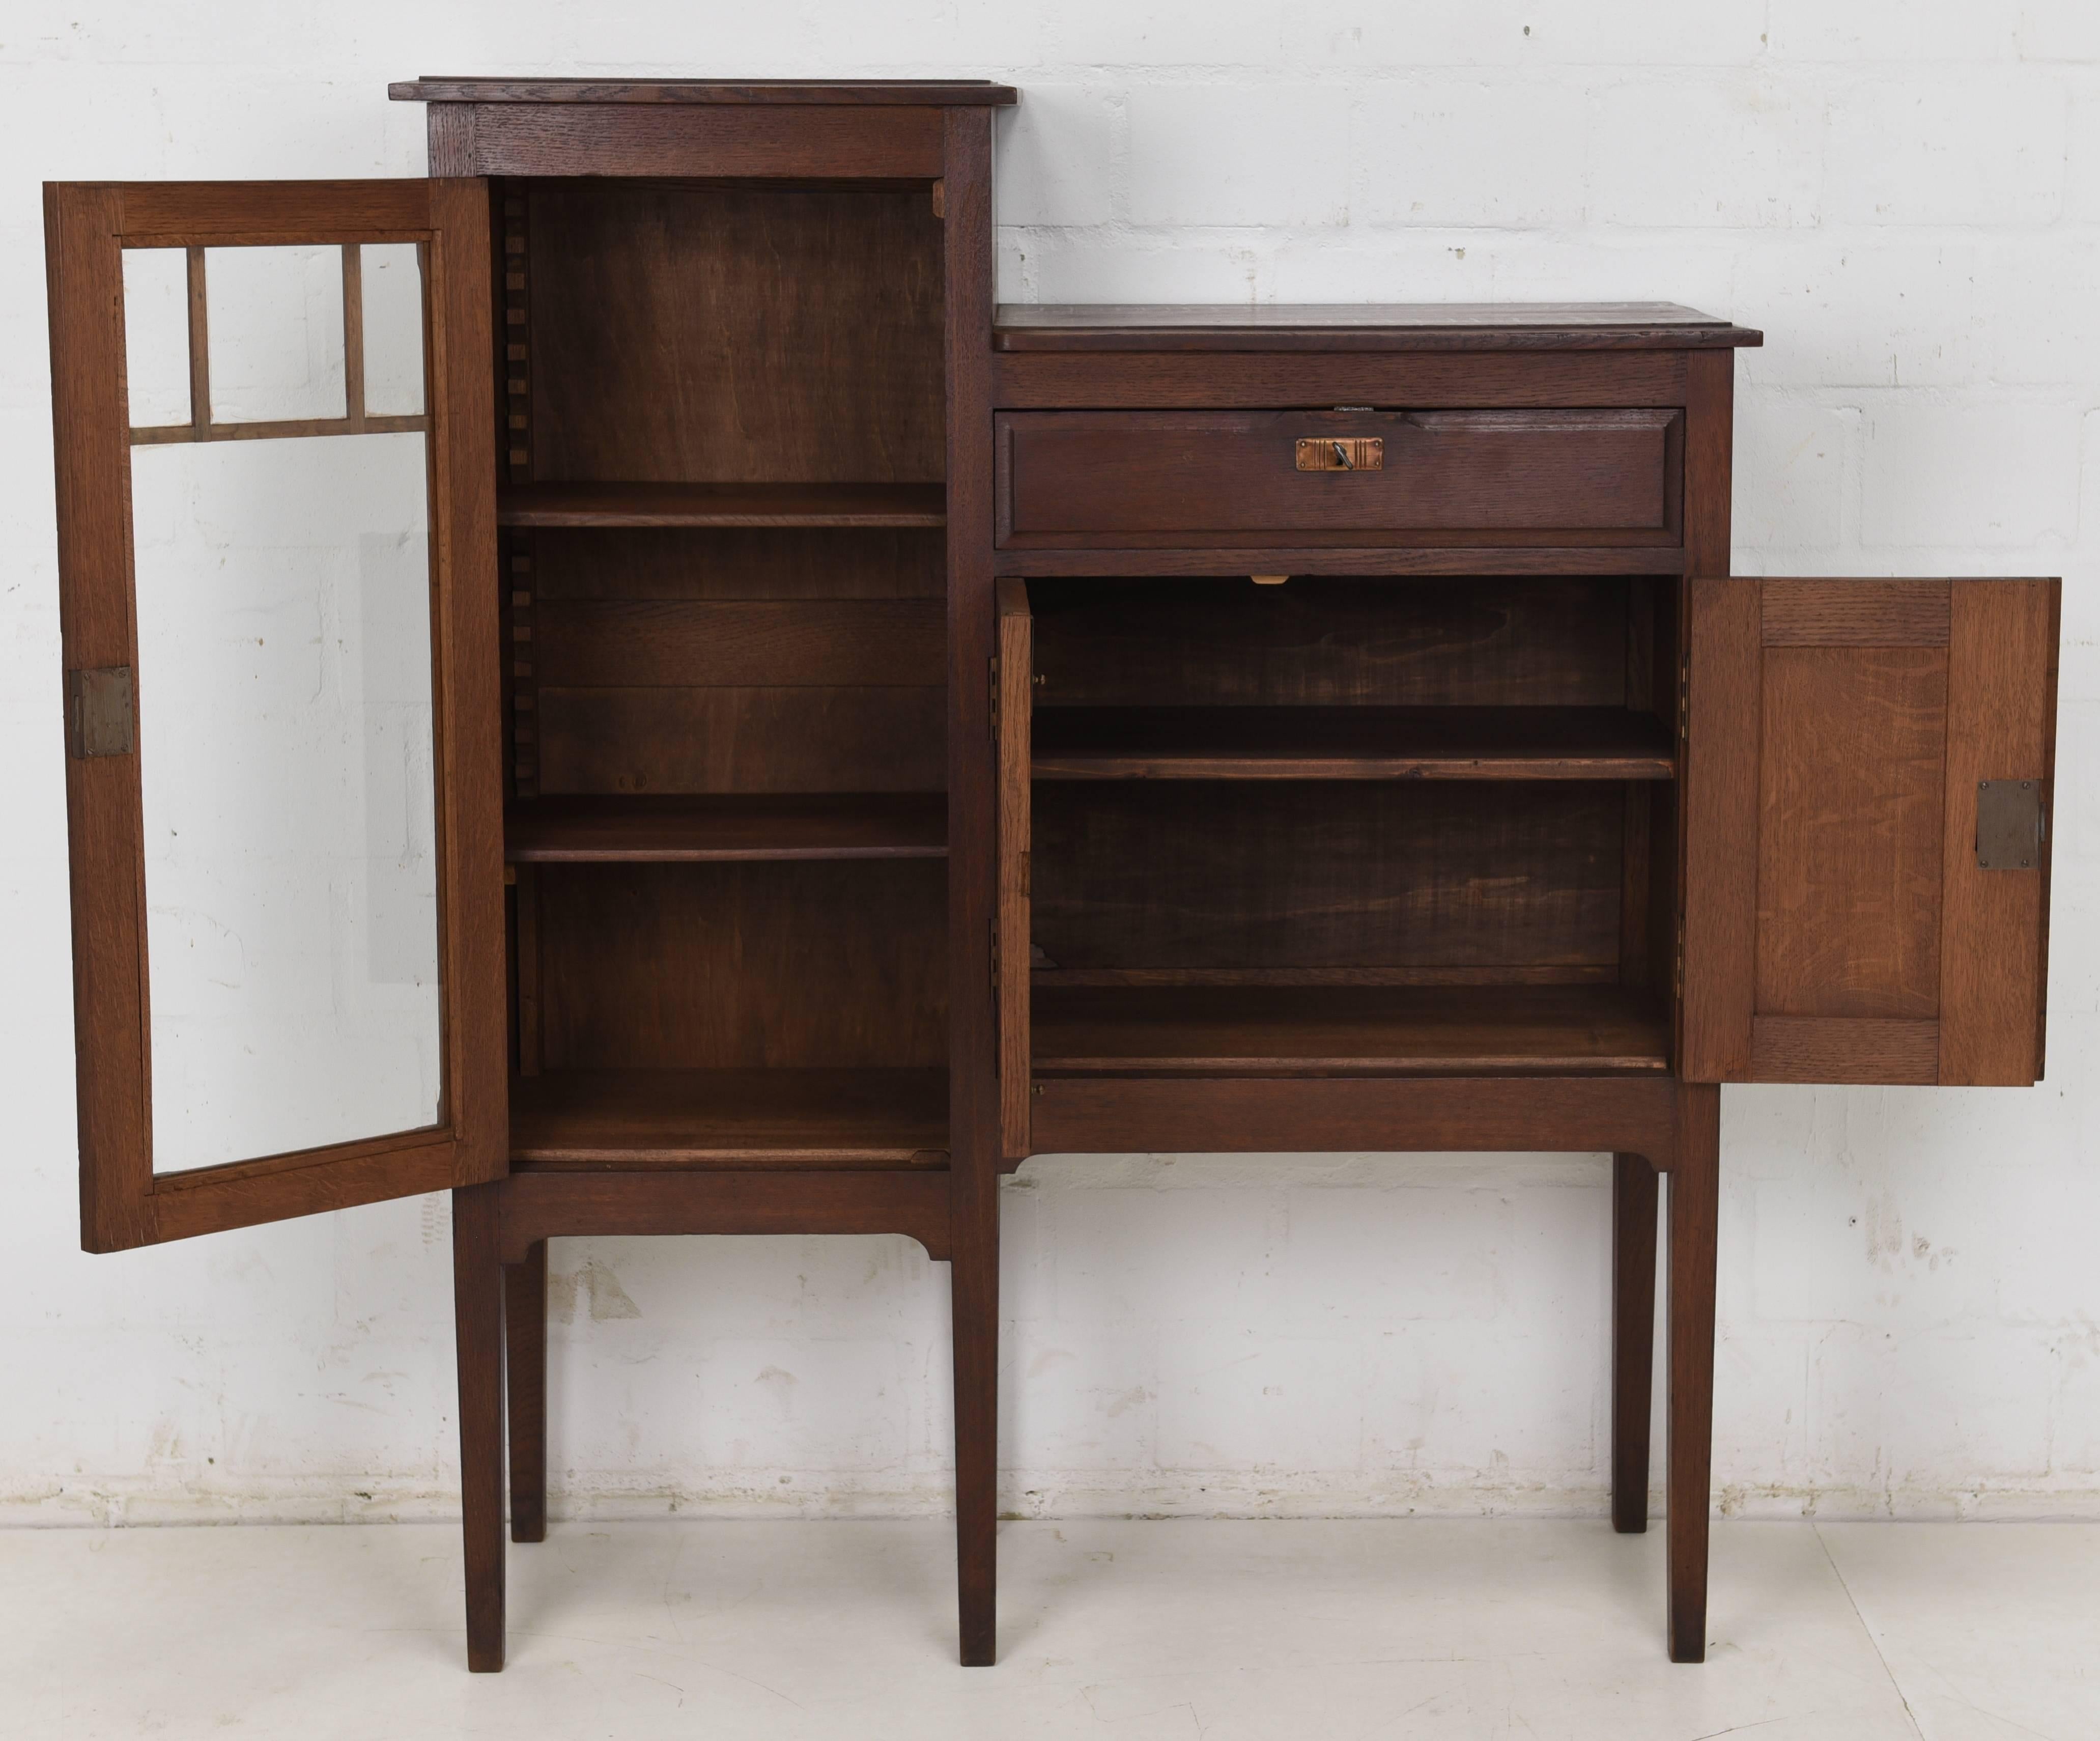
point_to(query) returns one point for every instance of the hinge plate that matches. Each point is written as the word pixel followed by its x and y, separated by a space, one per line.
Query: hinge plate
pixel 2009 825
pixel 100 712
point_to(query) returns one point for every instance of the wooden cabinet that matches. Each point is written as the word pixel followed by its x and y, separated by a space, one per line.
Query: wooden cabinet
pixel 612 681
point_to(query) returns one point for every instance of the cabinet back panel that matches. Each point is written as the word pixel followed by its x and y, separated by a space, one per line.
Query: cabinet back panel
pixel 742 739
pixel 757 643
pixel 734 966
pixel 686 332
pixel 1313 642
pixel 1494 880
pixel 738 563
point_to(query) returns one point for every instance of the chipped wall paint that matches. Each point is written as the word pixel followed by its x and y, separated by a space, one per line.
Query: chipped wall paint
pixel 1910 1316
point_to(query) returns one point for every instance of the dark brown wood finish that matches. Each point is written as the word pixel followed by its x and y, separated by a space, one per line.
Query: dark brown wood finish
pixel 1127 480
pixel 525 1390
pixel 1341 327
pixel 1510 822
pixel 1633 1337
pixel 1843 929
pixel 972 874
pixel 123 1202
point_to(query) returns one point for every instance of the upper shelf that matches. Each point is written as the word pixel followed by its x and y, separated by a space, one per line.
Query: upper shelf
pixel 914 92
pixel 865 505
pixel 1363 326
pixel 726 828
pixel 1350 743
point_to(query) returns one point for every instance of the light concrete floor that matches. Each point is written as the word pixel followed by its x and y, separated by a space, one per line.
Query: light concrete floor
pixel 1312 1630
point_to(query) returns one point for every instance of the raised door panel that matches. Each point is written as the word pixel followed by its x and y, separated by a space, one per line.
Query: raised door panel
pixel 276 476
pixel 1014 688
pixel 1869 768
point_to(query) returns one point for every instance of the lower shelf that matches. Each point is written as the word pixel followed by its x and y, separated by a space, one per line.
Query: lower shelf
pixel 1518 1030
pixel 570 1119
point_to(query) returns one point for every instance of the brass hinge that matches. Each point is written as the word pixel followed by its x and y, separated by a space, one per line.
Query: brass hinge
pixel 994 955
pixel 1684 698
pixel 100 712
pixel 992 690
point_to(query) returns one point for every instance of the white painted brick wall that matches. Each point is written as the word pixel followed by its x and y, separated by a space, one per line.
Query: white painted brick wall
pixel 1905 194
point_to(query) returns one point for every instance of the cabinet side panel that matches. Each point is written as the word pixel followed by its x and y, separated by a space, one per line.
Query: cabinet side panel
pixel 2001 694
pixel 1720 810
pixel 1015 686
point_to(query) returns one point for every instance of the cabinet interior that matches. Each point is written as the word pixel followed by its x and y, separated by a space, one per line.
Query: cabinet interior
pixel 1356 825
pixel 722 511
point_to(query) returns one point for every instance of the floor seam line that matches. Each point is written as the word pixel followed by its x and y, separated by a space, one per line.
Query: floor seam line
pixel 1815 1529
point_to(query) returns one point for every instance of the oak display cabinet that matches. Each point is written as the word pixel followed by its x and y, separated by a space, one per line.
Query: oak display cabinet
pixel 612 681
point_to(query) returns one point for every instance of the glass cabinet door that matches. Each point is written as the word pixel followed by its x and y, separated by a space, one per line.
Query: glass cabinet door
pixel 274 410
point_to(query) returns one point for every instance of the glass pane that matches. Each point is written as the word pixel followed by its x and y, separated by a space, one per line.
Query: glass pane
pixel 284 731
pixel 275 329
pixel 393 277
pixel 156 336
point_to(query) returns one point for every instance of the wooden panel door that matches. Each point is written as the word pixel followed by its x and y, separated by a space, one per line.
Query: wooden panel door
pixel 1014 686
pixel 1868 775
pixel 275 416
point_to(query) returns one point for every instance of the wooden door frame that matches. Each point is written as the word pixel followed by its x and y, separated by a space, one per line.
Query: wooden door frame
pixel 87 226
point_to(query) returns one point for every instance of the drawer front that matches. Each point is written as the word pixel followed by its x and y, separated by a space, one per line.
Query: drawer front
pixel 1136 480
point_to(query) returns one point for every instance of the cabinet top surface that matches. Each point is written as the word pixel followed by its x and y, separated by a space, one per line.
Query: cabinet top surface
pixel 1362 326
pixel 916 92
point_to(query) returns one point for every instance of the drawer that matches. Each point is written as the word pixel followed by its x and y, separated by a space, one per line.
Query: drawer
pixel 1134 479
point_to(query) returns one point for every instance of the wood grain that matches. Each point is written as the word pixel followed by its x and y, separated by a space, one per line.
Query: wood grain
pixel 743 965
pixel 1283 1031
pixel 724 505
pixel 1723 730
pixel 1479 642
pixel 2000 725
pixel 758 643
pixel 1455 553
pixel 1297 875
pixel 1250 1115
pixel 616 1119
pixel 1416 381
pixel 824 93
pixel 536 1205
pixel 1332 327
pixel 797 739
pixel 707 333
pixel 1190 479
pixel 719 829
pixel 1633 1337
pixel 1350 743
pixel 1844 1048
pixel 816 141
pixel 1851 787
pixel 478 1326
pixel 1015 722
pixel 525 1390
pixel 726 563
pixel 1695 1194
pixel 1855 613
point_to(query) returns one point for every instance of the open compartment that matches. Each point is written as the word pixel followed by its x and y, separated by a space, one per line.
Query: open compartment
pixel 725 567
pixel 1335 827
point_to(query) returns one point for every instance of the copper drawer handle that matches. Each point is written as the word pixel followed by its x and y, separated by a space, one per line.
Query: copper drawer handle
pixel 1341 453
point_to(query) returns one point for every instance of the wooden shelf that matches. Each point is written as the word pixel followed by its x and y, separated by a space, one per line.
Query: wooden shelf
pixel 864 505
pixel 1289 1031
pixel 606 1119
pixel 1350 743
pixel 725 830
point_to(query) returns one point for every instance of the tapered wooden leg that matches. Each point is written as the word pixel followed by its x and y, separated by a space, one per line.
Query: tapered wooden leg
pixel 525 1364
pixel 974 1297
pixel 1633 1337
pixel 1694 1208
pixel 477 1319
